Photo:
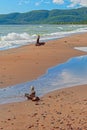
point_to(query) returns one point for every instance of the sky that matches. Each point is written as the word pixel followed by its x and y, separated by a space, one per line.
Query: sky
pixel 10 6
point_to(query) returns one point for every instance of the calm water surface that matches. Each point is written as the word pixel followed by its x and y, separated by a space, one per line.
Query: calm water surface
pixel 71 73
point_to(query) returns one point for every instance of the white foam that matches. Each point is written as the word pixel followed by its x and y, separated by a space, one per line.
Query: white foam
pixel 81 48
pixel 16 39
pixel 15 36
pixel 12 40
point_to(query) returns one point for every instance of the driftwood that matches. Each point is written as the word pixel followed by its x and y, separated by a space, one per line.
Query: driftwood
pixel 40 43
pixel 33 99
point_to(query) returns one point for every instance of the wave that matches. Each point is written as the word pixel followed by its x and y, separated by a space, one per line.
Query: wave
pixel 15 36
pixel 13 39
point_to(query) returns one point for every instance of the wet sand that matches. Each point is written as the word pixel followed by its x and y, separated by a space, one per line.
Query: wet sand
pixel 65 109
pixel 29 62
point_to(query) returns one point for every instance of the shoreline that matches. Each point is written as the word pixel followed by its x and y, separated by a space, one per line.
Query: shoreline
pixel 64 109
pixel 37 58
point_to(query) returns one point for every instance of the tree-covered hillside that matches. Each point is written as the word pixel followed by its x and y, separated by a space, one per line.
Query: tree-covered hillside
pixel 55 16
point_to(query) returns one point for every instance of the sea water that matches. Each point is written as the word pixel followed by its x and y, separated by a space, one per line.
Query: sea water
pixel 12 36
pixel 71 73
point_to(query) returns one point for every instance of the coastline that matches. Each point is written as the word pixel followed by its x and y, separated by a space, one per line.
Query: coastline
pixel 35 60
pixel 63 109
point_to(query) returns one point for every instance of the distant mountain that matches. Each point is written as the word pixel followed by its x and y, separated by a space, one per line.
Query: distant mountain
pixel 55 16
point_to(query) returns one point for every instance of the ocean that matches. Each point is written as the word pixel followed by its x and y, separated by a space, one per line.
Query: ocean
pixel 12 36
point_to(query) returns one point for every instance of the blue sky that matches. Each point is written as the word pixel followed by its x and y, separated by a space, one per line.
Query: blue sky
pixel 10 6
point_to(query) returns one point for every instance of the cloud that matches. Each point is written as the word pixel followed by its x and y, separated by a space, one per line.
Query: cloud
pixel 38 3
pixel 42 1
pixel 73 3
pixel 78 2
pixel 58 1
pixel 24 2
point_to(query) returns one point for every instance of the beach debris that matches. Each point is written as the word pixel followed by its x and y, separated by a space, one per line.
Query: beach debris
pixel 32 96
pixel 39 43
pixel 33 99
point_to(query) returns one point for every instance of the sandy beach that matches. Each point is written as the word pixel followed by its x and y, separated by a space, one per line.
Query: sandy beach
pixel 65 109
pixel 29 62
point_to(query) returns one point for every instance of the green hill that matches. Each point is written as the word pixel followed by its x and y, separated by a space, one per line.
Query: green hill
pixel 55 16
